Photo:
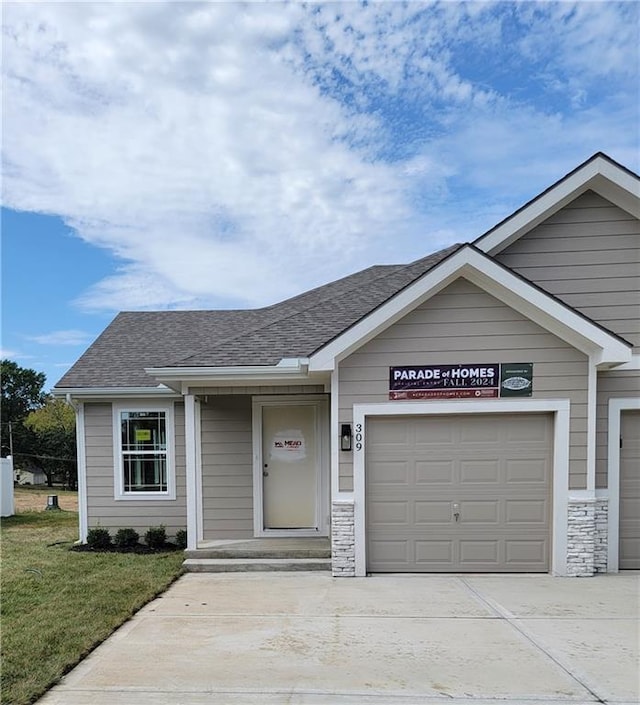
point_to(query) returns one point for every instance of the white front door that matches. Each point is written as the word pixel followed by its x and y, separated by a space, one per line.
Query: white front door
pixel 290 467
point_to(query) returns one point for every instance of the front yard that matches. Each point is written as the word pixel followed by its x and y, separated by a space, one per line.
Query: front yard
pixel 57 605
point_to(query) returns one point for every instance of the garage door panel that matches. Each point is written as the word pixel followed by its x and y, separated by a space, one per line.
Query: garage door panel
pixel 479 553
pixel 527 511
pixel 391 552
pixel 434 552
pixel 501 486
pixel 430 472
pixel 629 544
pixel 392 472
pixel 430 512
pixel 531 470
pixel 521 552
pixel 532 429
pixel 389 512
pixel 479 512
pixel 482 471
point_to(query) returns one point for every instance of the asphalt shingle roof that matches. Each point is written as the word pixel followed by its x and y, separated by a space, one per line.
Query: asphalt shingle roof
pixel 296 327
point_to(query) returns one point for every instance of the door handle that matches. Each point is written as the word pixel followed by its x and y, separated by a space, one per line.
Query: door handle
pixel 456 511
pixel 265 473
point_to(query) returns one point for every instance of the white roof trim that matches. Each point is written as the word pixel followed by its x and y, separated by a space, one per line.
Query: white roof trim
pixel 288 369
pixel 515 292
pixel 103 392
pixel 598 174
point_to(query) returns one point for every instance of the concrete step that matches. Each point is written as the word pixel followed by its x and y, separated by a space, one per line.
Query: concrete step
pixel 235 565
pixel 251 554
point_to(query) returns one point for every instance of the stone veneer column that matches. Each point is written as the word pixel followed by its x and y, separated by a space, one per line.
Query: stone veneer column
pixel 581 538
pixel 343 540
pixel 601 535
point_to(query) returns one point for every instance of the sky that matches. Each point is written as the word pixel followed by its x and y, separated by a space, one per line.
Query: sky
pixel 230 155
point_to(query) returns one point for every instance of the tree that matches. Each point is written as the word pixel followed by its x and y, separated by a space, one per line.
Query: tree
pixel 54 428
pixel 21 393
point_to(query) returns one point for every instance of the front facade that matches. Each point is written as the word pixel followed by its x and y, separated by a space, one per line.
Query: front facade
pixel 474 411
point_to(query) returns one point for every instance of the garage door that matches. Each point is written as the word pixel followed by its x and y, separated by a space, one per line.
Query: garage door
pixel 460 493
pixel 629 555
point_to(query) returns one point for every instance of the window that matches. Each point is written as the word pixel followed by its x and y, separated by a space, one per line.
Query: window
pixel 142 439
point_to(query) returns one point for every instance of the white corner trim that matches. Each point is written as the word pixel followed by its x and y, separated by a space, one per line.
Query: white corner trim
pixel 616 407
pixel 496 280
pixel 561 409
pixel 599 175
pixel 81 451
pixel 334 432
pixel 592 411
pixel 199 495
pixel 191 454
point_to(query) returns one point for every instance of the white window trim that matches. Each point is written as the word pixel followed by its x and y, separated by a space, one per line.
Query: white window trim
pixel 616 407
pixel 560 481
pixel 118 469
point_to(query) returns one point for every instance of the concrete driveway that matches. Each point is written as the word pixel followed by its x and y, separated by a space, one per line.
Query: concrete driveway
pixel 307 638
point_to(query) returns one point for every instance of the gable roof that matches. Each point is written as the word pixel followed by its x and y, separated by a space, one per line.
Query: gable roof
pixel 297 327
pixel 599 173
pixel 515 291
pixel 318 327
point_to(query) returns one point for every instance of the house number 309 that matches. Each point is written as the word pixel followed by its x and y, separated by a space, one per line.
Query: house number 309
pixel 358 436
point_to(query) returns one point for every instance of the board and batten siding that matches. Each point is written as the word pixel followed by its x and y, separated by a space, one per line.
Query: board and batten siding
pixel 588 255
pixel 464 324
pixel 227 467
pixel 613 384
pixel 102 509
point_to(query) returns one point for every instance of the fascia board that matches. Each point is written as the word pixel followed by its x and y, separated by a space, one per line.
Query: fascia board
pixel 610 181
pixel 284 372
pixel 497 281
pixel 113 392
pixel 324 360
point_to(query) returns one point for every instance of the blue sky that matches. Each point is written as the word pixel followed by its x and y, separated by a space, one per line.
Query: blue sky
pixel 222 155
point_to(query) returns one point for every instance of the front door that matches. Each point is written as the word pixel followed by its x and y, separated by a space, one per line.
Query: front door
pixel 290 466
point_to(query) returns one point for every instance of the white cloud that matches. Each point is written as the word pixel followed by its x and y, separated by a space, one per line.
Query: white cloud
pixel 240 152
pixel 62 337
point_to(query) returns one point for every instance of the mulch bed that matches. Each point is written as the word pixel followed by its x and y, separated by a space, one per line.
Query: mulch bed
pixel 139 548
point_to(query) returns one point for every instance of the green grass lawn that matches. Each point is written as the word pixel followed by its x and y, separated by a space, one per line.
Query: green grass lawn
pixel 57 604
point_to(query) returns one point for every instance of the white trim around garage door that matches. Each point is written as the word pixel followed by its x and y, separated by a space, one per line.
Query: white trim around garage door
pixel 616 407
pixel 559 407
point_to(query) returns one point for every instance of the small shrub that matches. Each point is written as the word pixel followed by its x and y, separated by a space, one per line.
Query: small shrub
pixel 99 538
pixel 156 537
pixel 181 538
pixel 126 538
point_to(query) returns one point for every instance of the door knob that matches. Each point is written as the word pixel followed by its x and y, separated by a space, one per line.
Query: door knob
pixel 265 473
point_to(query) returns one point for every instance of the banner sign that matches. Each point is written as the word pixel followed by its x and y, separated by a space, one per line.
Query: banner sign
pixel 476 381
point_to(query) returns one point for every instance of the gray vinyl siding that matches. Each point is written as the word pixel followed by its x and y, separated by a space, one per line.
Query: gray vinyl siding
pixel 227 468
pixel 611 385
pixel 463 324
pixel 587 254
pixel 102 509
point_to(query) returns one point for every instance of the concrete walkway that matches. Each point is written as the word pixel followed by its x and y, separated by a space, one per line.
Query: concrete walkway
pixel 309 639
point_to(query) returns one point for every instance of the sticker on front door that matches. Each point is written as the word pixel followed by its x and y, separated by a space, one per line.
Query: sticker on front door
pixel 289 472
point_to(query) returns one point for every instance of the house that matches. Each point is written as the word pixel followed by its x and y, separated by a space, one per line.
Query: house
pixel 475 410
pixel 31 476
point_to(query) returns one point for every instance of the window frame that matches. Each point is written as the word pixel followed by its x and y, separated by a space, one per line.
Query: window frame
pixel 118 455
